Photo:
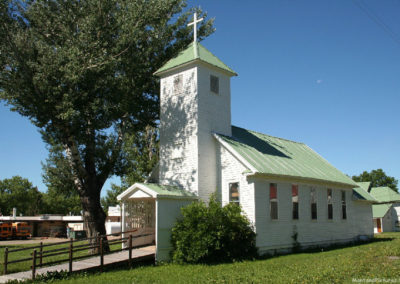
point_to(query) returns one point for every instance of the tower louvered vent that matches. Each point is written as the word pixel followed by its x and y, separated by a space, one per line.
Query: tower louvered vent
pixel 178 84
pixel 214 84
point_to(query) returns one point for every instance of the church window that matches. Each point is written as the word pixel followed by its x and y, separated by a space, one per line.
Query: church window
pixel 330 205
pixel 178 84
pixel 273 200
pixel 214 84
pixel 234 192
pixel 295 201
pixel 313 204
pixel 344 212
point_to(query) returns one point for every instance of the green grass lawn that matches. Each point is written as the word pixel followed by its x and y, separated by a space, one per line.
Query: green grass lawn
pixel 26 265
pixel 379 259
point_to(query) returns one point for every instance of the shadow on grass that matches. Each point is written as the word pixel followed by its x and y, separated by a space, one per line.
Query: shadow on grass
pixel 299 250
pixel 332 247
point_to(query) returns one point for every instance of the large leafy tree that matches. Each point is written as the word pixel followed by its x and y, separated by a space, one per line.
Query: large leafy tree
pixel 377 178
pixel 18 192
pixel 141 156
pixel 81 71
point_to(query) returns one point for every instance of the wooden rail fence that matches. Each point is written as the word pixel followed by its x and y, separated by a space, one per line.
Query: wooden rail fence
pixel 39 253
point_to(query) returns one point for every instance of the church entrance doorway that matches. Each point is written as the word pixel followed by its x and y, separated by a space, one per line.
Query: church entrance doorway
pixel 139 219
pixel 378 224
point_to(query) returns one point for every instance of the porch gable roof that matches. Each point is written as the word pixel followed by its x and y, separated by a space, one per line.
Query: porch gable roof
pixel 380 210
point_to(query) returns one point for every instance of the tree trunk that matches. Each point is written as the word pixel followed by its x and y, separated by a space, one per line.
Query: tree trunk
pixel 94 219
pixel 88 185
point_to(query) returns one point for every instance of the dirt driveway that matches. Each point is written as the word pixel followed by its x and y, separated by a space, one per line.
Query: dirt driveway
pixel 31 241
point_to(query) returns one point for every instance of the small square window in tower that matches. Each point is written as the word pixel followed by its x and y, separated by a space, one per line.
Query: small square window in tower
pixel 214 84
pixel 178 84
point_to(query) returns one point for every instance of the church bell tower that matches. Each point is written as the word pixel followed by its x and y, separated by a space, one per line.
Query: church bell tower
pixel 195 102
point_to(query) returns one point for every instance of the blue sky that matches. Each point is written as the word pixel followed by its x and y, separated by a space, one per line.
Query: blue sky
pixel 319 72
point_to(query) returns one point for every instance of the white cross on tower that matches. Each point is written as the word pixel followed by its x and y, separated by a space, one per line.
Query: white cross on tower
pixel 194 23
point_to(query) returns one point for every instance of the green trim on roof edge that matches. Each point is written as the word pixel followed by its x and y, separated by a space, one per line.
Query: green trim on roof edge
pixel 364 184
pixel 189 55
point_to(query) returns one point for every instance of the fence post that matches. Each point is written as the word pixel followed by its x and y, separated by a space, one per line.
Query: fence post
pixel 34 264
pixel 5 260
pixel 71 246
pixel 130 250
pixel 97 245
pixel 101 255
pixel 41 253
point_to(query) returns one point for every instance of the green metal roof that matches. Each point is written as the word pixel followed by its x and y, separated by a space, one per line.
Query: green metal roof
pixel 277 156
pixel 360 193
pixel 364 184
pixel 380 210
pixel 168 190
pixel 384 194
pixel 195 51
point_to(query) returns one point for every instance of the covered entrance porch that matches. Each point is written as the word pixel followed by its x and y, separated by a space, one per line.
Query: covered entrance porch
pixel 152 209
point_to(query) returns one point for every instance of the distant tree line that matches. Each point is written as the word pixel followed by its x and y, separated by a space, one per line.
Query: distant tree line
pixel 377 178
pixel 18 192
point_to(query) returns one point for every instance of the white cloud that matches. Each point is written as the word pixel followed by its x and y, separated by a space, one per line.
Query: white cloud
pixel 319 81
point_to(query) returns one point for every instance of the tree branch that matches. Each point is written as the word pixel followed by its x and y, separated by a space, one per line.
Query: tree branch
pixel 114 154
pixel 109 60
pixel 79 172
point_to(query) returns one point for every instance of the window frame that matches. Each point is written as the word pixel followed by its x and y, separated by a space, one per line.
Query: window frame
pixel 178 88
pixel 330 203
pixel 344 205
pixel 238 192
pixel 313 201
pixel 274 215
pixel 214 79
pixel 295 203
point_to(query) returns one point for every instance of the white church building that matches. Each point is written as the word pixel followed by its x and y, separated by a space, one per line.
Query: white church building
pixel 283 187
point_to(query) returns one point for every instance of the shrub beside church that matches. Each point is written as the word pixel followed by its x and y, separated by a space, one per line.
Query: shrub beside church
pixel 212 233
